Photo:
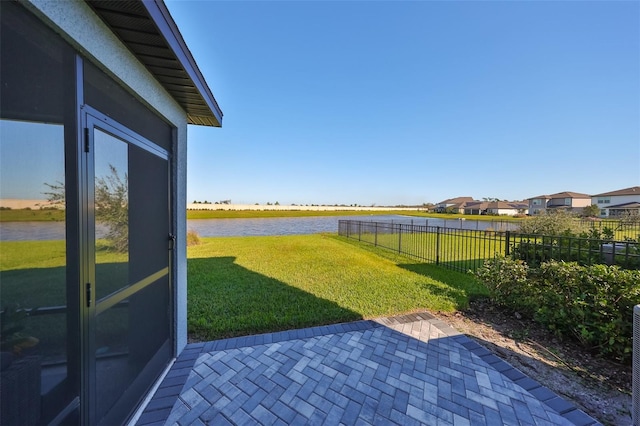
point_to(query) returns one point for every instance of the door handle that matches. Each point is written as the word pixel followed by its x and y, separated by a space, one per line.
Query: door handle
pixel 88 294
pixel 172 241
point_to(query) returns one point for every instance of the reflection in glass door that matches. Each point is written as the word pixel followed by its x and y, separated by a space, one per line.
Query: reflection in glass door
pixel 39 312
pixel 130 312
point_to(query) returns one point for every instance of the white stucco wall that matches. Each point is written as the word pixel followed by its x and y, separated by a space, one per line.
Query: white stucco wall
pixel 506 212
pixel 614 200
pixel 85 31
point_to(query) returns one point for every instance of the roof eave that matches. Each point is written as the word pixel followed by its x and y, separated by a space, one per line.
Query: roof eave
pixel 169 30
pixel 147 29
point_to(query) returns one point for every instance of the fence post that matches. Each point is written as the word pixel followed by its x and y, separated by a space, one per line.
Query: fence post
pixel 507 242
pixel 399 238
pixel 437 245
pixel 376 235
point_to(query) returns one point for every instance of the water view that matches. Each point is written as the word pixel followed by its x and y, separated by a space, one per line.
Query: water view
pixel 21 231
pixel 313 225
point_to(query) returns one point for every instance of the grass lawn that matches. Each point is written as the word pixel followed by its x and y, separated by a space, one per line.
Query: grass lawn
pixel 27 215
pixel 251 214
pixel 246 285
pixel 245 214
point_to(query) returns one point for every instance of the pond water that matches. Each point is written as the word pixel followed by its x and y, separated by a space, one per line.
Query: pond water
pixel 278 225
pixel 21 231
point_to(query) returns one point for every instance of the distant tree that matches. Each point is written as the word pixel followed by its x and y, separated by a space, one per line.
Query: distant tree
pixel 277 203
pixel 111 206
pixel 629 217
pixel 55 195
pixel 591 211
pixel 551 223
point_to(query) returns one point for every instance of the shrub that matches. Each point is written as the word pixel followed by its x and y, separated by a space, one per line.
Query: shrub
pixel 505 279
pixel 551 223
pixel 193 239
pixel 592 304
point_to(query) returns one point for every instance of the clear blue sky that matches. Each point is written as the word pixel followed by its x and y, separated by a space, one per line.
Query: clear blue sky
pixel 413 102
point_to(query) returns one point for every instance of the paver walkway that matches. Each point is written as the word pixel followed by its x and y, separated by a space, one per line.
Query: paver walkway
pixel 404 370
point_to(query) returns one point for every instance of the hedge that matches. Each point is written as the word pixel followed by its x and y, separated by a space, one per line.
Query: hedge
pixel 592 304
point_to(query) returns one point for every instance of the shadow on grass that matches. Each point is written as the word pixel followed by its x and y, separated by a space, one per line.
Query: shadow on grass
pixel 459 287
pixel 228 300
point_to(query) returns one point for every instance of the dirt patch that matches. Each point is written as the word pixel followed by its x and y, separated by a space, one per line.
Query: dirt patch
pixel 599 387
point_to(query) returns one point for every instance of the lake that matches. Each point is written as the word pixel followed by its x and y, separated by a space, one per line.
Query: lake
pixel 22 231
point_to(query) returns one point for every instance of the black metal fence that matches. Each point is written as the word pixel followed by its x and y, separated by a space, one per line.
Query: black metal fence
pixel 467 249
pixel 629 228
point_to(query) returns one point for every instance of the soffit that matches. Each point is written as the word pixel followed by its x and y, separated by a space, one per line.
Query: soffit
pixel 147 29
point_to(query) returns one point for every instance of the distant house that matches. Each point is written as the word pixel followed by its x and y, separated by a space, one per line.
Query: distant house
pixel 538 204
pixel 453 205
pixel 616 203
pixel 570 201
pixel 476 207
pixel 505 208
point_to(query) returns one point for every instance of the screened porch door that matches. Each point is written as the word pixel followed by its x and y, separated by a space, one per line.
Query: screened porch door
pixel 127 292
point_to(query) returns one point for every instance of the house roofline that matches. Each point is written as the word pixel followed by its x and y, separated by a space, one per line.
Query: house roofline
pixel 634 190
pixel 193 93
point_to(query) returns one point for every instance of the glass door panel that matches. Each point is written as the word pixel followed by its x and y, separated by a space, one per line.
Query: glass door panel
pixel 111 214
pixel 131 326
pixel 36 311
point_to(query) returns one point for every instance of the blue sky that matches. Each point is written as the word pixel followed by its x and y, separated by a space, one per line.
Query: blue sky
pixel 392 103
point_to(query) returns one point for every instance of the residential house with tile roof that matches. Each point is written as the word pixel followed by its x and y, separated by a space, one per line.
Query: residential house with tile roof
pixel 567 200
pixel 500 208
pixel 619 202
pixel 456 205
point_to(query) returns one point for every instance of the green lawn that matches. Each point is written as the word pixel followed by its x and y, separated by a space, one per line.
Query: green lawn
pixel 459 249
pixel 246 285
pixel 246 214
pixel 33 275
pixel 28 215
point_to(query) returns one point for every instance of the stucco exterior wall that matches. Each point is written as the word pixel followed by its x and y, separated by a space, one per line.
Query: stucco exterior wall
pixel 614 200
pixel 506 212
pixel 86 32
pixel 580 202
pixel 537 208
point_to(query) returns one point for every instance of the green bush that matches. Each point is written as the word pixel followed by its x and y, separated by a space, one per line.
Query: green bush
pixel 592 304
pixel 551 223
pixel 193 239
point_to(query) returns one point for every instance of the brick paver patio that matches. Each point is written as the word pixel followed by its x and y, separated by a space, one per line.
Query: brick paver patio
pixel 404 370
